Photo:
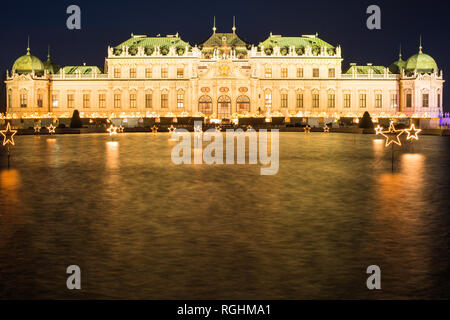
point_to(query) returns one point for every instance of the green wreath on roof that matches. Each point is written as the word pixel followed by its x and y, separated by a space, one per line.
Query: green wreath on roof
pixel 331 52
pixel 117 52
pixel 284 51
pixel 315 51
pixel 299 51
pixel 268 51
pixel 180 51
pixel 149 51
pixel 133 51
pixel 164 51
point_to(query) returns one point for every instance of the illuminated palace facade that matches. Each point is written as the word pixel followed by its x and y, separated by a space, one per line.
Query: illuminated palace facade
pixel 225 77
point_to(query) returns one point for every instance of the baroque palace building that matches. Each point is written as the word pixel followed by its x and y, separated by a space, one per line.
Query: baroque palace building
pixel 225 77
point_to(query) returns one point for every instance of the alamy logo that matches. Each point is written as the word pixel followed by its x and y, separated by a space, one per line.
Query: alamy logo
pixel 263 146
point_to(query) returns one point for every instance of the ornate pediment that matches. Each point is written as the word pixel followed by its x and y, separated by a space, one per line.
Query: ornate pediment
pixel 224 69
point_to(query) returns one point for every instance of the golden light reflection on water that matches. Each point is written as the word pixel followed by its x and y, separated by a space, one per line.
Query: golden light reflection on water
pixel 112 155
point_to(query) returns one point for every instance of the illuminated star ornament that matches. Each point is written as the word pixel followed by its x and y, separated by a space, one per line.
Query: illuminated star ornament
pixel 154 129
pixel 326 129
pixel 120 129
pixel 249 127
pixel 37 129
pixel 112 130
pixel 51 128
pixel 171 129
pixel 392 135
pixel 8 135
pixel 378 130
pixel 307 129
pixel 412 133
pixel 198 129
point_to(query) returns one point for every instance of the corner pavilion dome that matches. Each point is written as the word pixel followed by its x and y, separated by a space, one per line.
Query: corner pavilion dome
pixel 421 62
pixel 27 64
pixel 398 66
pixel 51 66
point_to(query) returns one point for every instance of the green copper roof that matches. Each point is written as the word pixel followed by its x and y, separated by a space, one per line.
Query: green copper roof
pixel 27 64
pixel 81 69
pixel 220 39
pixel 50 66
pixel 422 63
pixel 297 42
pixel 365 69
pixel 152 42
pixel 398 66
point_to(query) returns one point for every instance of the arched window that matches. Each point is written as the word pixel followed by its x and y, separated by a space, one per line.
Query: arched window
pixel 223 107
pixel 205 105
pixel 243 104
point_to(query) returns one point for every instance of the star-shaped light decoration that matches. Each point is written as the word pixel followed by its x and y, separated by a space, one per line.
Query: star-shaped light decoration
pixel 378 129
pixel 198 129
pixel 412 133
pixel 390 133
pixel 249 127
pixel 326 129
pixel 307 129
pixel 51 128
pixel 37 129
pixel 112 130
pixel 171 129
pixel 120 129
pixel 154 129
pixel 218 128
pixel 8 135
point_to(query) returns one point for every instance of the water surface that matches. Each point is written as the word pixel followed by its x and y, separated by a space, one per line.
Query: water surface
pixel 141 227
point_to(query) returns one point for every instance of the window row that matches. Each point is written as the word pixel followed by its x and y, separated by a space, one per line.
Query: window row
pixel 299 74
pixel 148 73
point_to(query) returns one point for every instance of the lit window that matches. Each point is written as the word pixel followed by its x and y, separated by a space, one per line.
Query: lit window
pixel 299 72
pixel 315 97
pixel 378 100
pixel 425 100
pixel 117 100
pixel 180 72
pixel 299 100
pixel 164 72
pixel 148 72
pixel 86 100
pixel 362 100
pixel 180 100
pixel 132 100
pixel 164 100
pixel 315 72
pixel 23 100
pixel 331 100
pixel 408 100
pixel 268 100
pixel 39 100
pixel 70 100
pixel 148 100
pixel 268 72
pixel 393 100
pixel 284 100
pixel 55 101
pixel 205 105
pixel 331 73
pixel 102 100
pixel 347 100
pixel 116 72
pixel 132 72
pixel 284 72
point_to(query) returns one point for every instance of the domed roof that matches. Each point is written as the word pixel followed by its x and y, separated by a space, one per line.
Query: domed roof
pixel 27 64
pixel 421 62
pixel 398 66
pixel 51 66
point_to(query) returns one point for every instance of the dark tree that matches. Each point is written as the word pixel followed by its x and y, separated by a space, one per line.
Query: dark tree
pixel 75 122
pixel 366 121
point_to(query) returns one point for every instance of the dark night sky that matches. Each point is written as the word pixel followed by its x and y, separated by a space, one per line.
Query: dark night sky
pixel 338 22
